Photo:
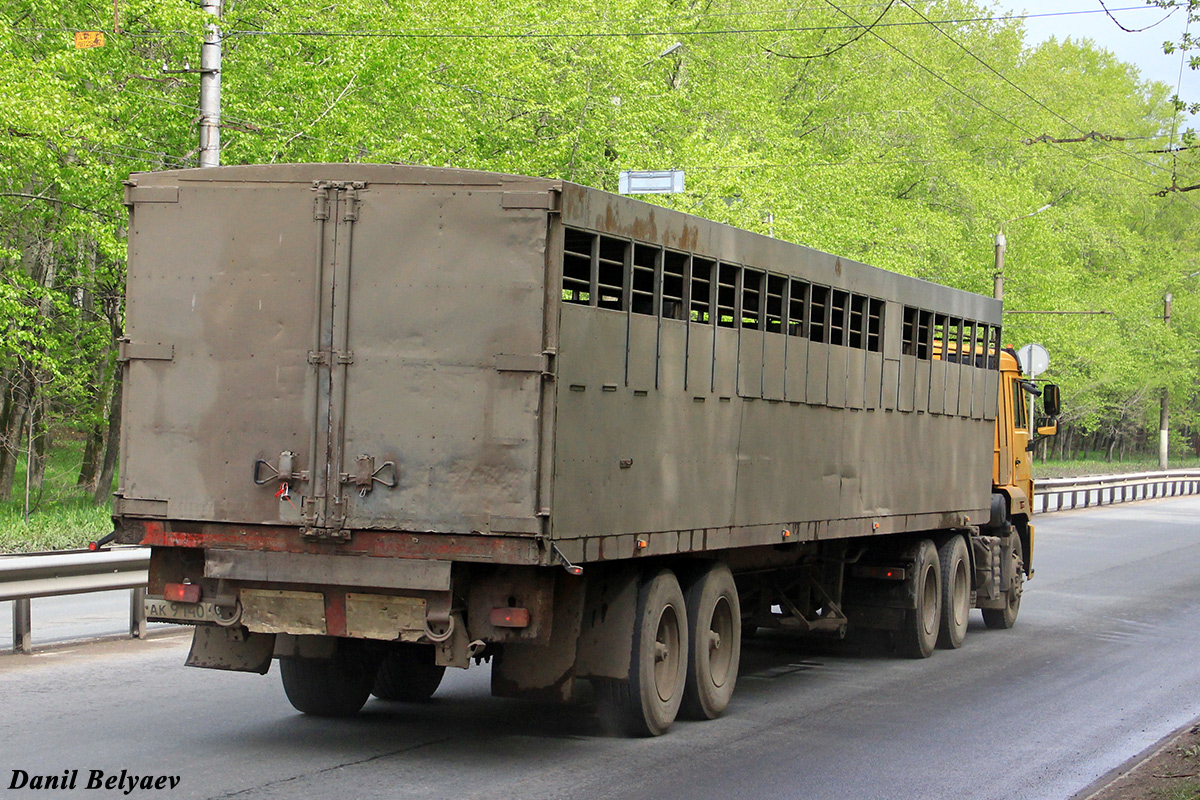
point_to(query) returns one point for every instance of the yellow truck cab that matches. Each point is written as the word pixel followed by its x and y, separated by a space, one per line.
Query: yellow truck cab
pixel 1012 461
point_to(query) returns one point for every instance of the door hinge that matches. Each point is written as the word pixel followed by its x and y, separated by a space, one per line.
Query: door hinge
pixel 350 205
pixel 321 203
pixel 141 351
pixel 542 363
pixel 323 198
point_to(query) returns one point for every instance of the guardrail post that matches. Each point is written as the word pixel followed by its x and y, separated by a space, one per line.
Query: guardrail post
pixel 22 626
pixel 137 612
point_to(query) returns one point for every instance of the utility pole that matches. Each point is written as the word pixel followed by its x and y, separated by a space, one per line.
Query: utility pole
pixel 1165 411
pixel 1002 243
pixel 998 277
pixel 210 88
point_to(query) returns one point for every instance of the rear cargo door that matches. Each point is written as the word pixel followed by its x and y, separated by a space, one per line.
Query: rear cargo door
pixel 334 355
pixel 436 361
pixel 223 400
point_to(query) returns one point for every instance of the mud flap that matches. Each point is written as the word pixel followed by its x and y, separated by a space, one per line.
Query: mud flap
pixel 545 671
pixel 606 638
pixel 234 649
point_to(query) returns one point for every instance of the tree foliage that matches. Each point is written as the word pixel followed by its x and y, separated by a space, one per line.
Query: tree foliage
pixel 899 134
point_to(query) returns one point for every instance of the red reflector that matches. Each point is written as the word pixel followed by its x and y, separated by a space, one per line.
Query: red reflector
pixel 878 573
pixel 182 592
pixel 510 617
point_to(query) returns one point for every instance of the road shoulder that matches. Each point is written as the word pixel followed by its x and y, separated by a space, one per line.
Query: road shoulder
pixel 1168 769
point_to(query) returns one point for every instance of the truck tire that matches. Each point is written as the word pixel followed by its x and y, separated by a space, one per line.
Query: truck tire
pixel 714 618
pixel 408 674
pixel 334 687
pixel 919 633
pixel 1005 618
pixel 955 566
pixel 647 702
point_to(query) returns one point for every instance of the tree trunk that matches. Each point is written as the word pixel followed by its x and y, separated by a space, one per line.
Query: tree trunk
pixel 13 435
pixel 93 451
pixel 41 446
pixel 90 466
pixel 113 443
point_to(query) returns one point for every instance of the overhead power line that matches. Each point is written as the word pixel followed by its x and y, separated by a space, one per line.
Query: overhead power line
pixel 1092 135
pixel 1136 30
pixel 991 110
pixel 841 46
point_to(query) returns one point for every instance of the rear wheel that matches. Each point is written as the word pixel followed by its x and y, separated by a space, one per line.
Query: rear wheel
pixel 408 674
pixel 1004 618
pixel 955 567
pixel 334 687
pixel 714 619
pixel 646 704
pixel 919 633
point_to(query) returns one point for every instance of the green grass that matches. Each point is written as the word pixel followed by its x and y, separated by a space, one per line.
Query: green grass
pixel 61 517
pixel 1099 466
pixel 1187 790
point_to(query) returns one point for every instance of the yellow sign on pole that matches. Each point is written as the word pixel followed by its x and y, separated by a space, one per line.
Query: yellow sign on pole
pixel 86 39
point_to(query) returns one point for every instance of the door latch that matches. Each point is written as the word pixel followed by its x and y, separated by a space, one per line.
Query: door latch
pixel 366 475
pixel 286 471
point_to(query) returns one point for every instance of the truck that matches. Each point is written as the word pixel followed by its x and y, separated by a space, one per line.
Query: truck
pixel 383 420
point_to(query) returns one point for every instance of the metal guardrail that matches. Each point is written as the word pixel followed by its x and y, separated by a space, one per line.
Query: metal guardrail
pixel 24 577
pixel 1059 494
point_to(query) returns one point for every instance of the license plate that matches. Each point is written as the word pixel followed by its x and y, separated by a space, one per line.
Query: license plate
pixel 158 610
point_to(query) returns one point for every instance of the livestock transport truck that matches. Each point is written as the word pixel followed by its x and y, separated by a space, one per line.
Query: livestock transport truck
pixel 383 420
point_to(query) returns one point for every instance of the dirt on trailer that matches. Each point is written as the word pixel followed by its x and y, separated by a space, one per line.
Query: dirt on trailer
pixel 1169 771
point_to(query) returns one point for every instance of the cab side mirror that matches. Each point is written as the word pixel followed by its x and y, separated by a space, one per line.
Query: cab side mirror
pixel 1050 400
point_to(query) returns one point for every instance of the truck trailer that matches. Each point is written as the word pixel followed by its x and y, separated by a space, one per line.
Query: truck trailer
pixel 383 420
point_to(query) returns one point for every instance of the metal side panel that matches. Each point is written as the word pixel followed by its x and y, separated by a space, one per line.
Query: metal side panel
pixel 856 368
pixel 991 394
pixel 818 374
pixel 836 381
pixel 643 352
pixel 228 279
pixel 628 462
pixel 750 363
pixel 795 388
pixel 789 463
pixel 937 387
pixel 725 362
pixel 921 400
pixel 774 365
pixel 966 378
pixel 906 396
pixel 979 379
pixel 953 386
pixel 873 381
pixel 672 348
pixel 699 359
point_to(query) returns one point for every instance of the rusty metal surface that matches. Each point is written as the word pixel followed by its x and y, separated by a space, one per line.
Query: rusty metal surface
pixel 375 616
pixel 380 355
pixel 284 611
pixel 332 570
pixel 380 544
